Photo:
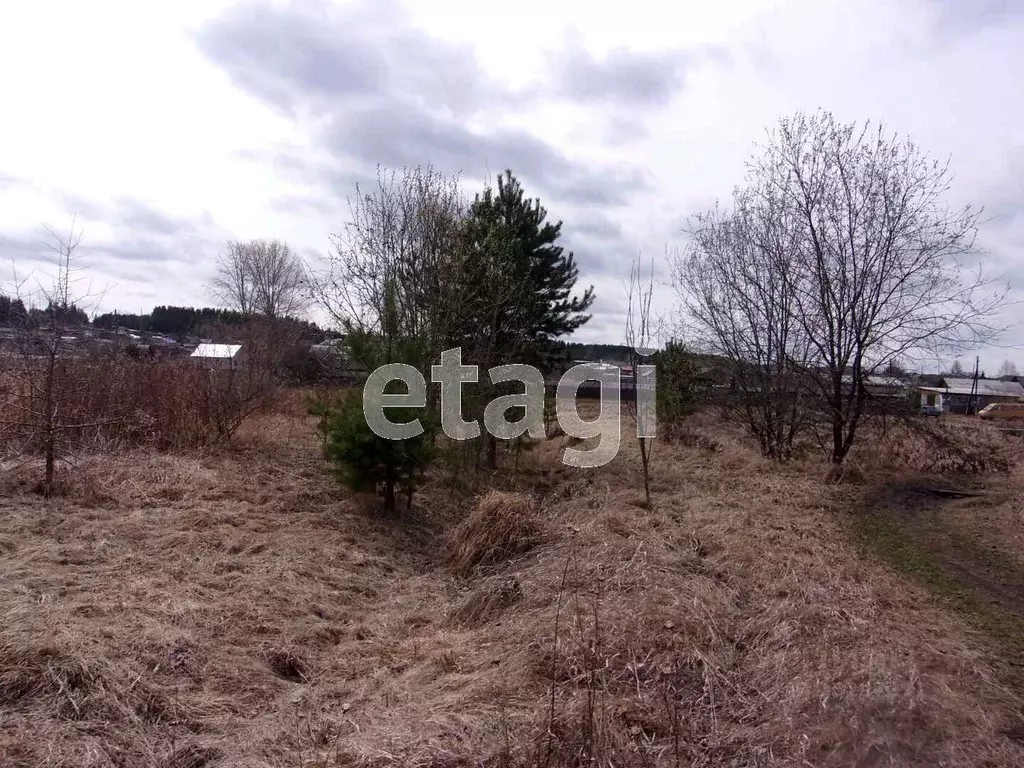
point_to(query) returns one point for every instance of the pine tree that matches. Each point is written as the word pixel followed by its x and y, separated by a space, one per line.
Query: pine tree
pixel 512 233
pixel 519 287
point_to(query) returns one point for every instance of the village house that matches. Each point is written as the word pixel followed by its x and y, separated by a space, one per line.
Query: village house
pixel 968 396
pixel 219 356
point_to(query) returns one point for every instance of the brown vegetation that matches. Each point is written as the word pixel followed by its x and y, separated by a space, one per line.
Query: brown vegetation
pixel 240 609
pixel 117 403
pixel 500 526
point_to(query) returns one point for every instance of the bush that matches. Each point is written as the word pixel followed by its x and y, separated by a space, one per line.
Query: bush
pixel 364 461
pixel 108 404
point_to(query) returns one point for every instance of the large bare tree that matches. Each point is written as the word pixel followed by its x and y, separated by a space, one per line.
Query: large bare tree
pixel 261 277
pixel 400 272
pixel 733 284
pixel 866 263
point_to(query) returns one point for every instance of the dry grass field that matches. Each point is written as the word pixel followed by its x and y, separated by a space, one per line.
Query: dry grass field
pixel 239 608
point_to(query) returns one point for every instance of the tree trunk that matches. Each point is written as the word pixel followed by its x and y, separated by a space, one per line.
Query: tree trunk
pixel 492 451
pixel 838 447
pixel 389 490
pixel 645 458
pixel 50 462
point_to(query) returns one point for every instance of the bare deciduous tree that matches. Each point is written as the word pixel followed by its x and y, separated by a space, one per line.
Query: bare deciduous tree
pixel 732 284
pixel 261 277
pixel 867 262
pixel 396 284
pixel 1008 368
pixel 392 274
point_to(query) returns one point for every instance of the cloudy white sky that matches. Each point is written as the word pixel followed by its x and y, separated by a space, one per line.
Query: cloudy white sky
pixel 168 128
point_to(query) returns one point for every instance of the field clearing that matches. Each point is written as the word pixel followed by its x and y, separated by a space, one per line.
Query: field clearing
pixel 240 608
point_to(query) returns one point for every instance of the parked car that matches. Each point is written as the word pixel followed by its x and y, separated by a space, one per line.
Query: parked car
pixel 1003 411
pixel 931 410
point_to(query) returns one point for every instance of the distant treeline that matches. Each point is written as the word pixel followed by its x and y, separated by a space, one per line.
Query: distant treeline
pixel 578 351
pixel 181 321
pixel 13 312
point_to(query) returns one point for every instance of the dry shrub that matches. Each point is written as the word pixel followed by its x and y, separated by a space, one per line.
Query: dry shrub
pixel 691 438
pixel 501 526
pixel 487 601
pixel 112 403
pixel 955 449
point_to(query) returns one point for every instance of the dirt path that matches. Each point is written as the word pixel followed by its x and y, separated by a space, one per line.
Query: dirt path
pixel 947 542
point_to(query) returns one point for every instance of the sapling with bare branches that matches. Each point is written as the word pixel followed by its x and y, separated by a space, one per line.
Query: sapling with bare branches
pixel 642 329
pixel 396 285
pixel 44 394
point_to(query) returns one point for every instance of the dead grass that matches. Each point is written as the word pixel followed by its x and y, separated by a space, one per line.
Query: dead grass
pixel 954 447
pixel 489 600
pixel 237 609
pixel 500 526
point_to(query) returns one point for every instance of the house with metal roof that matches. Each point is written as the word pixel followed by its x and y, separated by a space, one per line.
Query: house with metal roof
pixel 218 356
pixel 885 386
pixel 954 395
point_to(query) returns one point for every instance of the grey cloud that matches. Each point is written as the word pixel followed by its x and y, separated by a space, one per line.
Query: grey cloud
pixel 598 255
pixel 13 182
pixel 1001 222
pixel 623 77
pixel 303 204
pixel 146 250
pixel 292 53
pixel 957 18
pixel 627 84
pixel 395 135
pixel 138 216
pixel 596 228
pixel 141 232
pixel 22 250
pixel 288 163
pixel 78 206
pixel 28 262
pixel 622 129
pixel 146 246
pixel 383 92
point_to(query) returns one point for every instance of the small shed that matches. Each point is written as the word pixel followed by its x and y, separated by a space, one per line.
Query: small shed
pixel 219 356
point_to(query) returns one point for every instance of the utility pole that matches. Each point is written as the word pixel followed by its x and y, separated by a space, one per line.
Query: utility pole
pixel 974 389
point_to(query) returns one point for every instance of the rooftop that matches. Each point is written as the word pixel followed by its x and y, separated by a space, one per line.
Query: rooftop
pixel 218 350
pixel 988 387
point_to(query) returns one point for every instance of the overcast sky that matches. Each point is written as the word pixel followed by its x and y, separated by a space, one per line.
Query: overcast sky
pixel 168 128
